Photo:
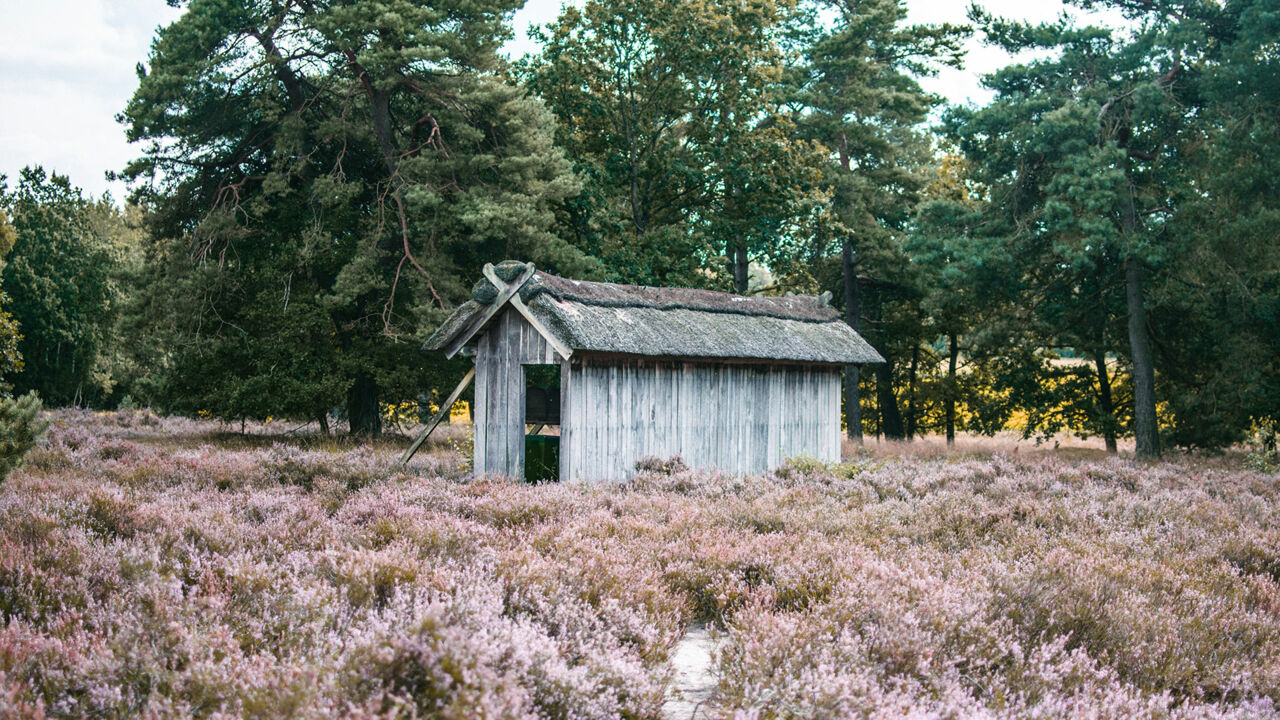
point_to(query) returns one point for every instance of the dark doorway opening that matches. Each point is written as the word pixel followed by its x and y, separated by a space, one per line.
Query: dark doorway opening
pixel 542 423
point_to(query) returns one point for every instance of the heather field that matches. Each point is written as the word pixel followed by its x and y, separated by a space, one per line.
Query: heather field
pixel 163 567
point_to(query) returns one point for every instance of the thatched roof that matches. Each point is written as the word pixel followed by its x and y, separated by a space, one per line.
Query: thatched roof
pixel 671 322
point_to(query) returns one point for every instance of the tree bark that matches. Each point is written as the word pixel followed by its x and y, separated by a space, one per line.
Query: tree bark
pixel 1105 399
pixel 741 268
pixel 323 419
pixel 852 316
pixel 1145 430
pixel 953 353
pixel 890 416
pixel 912 384
pixel 362 407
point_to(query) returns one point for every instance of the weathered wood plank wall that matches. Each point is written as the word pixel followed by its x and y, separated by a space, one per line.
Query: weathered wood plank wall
pixel 502 350
pixel 742 418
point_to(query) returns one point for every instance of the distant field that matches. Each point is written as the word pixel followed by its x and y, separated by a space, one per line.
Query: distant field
pixel 169 568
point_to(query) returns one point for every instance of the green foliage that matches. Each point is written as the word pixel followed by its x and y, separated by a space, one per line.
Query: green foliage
pixel 20 429
pixel 1264 448
pixel 859 82
pixel 320 183
pixel 856 81
pixel 326 178
pixel 10 333
pixel 59 279
pixel 1115 151
pixel 8 236
pixel 671 114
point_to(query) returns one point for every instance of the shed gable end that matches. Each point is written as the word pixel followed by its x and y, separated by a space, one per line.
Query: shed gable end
pixel 503 348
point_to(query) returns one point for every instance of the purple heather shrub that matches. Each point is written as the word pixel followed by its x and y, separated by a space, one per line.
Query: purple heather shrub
pixel 166 567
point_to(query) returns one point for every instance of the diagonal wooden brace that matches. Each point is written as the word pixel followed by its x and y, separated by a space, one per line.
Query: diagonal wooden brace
pixel 435 419
pixel 505 293
pixel 518 304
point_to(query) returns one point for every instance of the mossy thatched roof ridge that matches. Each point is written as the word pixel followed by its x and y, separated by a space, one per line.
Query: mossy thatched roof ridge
pixel 673 322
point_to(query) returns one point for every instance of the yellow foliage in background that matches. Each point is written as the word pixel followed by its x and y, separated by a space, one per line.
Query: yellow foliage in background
pixel 406 414
pixel 461 412
pixel 400 414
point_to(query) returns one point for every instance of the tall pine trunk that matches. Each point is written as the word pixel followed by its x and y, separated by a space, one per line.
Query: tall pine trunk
pixel 1105 400
pixel 852 316
pixel 953 353
pixel 1146 432
pixel 740 267
pixel 912 384
pixel 362 407
pixel 890 416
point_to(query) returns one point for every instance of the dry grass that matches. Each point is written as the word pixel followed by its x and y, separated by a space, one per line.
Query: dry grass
pixel 1067 447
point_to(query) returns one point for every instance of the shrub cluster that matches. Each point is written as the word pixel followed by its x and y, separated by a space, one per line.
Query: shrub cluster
pixel 20 428
pixel 144 569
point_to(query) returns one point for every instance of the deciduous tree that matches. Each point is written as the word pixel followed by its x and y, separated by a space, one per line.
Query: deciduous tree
pixel 58 277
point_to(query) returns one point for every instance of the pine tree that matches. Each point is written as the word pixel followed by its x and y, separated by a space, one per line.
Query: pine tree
pixel 863 103
pixel 670 112
pixel 1100 163
pixel 324 177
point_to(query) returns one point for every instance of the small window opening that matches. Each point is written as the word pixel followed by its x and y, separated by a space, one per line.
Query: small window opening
pixel 542 422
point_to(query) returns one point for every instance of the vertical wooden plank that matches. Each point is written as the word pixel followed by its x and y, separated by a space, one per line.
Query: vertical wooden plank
pixel 833 411
pixel 518 392
pixel 577 428
pixel 777 414
pixel 479 414
pixel 496 408
pixel 621 396
pixel 735 394
pixel 509 353
pixel 608 424
pixel 756 430
pixel 792 431
pixel 592 412
pixel 650 375
pixel 771 418
pixel 731 394
pixel 566 422
pixel 633 440
pixel 715 384
pixel 513 391
pixel 675 440
pixel 600 417
pixel 672 437
pixel 622 435
pixel 697 421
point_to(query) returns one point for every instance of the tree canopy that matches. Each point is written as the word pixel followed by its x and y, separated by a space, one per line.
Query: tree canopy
pixel 319 182
pixel 323 177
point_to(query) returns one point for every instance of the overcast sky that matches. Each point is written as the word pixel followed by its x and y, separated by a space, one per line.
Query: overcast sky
pixel 67 69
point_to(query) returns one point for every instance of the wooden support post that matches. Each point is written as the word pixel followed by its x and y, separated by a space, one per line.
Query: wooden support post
pixel 435 420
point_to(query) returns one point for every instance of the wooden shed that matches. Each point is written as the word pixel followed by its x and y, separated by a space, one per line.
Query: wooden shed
pixel 624 372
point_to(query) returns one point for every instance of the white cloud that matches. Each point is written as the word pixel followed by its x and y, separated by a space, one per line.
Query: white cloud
pixel 965 86
pixel 66 69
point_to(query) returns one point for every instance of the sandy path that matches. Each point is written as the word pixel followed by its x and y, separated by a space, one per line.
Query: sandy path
pixel 693 684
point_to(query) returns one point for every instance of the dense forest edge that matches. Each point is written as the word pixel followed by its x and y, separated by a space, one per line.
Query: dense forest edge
pixel 1093 252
